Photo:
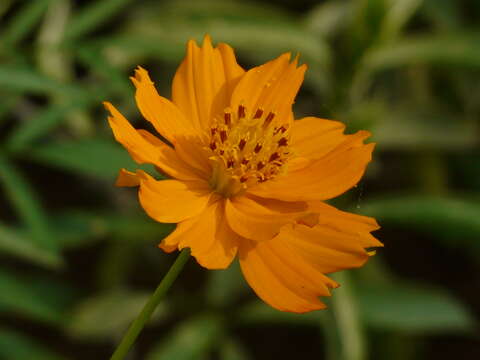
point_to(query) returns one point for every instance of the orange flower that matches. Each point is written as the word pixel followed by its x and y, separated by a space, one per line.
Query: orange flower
pixel 246 178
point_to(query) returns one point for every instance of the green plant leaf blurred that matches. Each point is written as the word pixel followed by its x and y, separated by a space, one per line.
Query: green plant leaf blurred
pixel 28 207
pixel 107 316
pixel 35 298
pixel 191 340
pixel 412 309
pixel 16 346
pixel 96 157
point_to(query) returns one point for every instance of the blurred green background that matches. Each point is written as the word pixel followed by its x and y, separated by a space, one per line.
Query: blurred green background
pixel 78 257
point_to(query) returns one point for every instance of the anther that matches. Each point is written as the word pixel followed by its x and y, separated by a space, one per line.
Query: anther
pixel 273 157
pixel 257 149
pixel 283 142
pixel 213 131
pixel 269 118
pixel 228 118
pixel 242 144
pixel 280 129
pixel 223 135
pixel 213 146
pixel 245 161
pixel 260 165
pixel 241 111
pixel 230 163
pixel 243 179
pixel 258 114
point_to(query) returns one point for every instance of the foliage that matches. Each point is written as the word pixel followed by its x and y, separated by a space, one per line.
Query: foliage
pixel 79 257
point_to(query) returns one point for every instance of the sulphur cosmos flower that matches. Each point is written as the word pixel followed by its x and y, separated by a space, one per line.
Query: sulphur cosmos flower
pixel 247 179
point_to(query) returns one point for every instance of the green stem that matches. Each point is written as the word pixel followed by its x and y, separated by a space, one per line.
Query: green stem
pixel 150 306
pixel 348 342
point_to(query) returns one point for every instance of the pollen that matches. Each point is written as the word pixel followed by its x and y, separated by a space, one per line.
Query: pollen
pixel 248 146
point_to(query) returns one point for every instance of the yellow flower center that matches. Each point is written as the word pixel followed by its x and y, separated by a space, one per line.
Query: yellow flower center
pixel 248 148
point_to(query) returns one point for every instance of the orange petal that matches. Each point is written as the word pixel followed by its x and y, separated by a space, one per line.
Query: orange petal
pixel 204 81
pixel 164 115
pixel 212 242
pixel 171 201
pixel 326 248
pixel 353 224
pixel 272 87
pixel 323 178
pixel 146 148
pixel 192 150
pixel 261 219
pixel 313 138
pixel 127 178
pixel 281 277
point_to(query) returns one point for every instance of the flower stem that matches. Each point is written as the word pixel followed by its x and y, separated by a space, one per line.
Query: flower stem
pixel 347 341
pixel 147 311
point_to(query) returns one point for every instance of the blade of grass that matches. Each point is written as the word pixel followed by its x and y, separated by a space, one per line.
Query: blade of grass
pixel 23 22
pixel 27 205
pixel 91 16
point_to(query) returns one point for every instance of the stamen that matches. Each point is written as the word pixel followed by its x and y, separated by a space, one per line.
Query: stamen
pixel 228 118
pixel 269 118
pixel 274 157
pixel 258 113
pixel 242 144
pixel 241 111
pixel 223 135
pixel 247 149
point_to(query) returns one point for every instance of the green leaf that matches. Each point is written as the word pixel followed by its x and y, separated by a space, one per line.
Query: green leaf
pixel 106 316
pixel 224 286
pixel 96 157
pixel 256 31
pixel 23 22
pixel 27 205
pixel 32 129
pixel 14 242
pixel 34 298
pixel 461 49
pixel 16 346
pixel 76 228
pixel 450 50
pixel 396 17
pixel 450 218
pixel 412 309
pixel 328 18
pixel 91 16
pixel 191 340
pixel 23 79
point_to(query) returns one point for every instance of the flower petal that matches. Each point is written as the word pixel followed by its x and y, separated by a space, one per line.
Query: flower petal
pixel 326 248
pixel 349 223
pixel 163 114
pixel 204 81
pixel 281 277
pixel 127 178
pixel 272 87
pixel 146 148
pixel 313 138
pixel 171 201
pixel 323 178
pixel 261 219
pixel 212 242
